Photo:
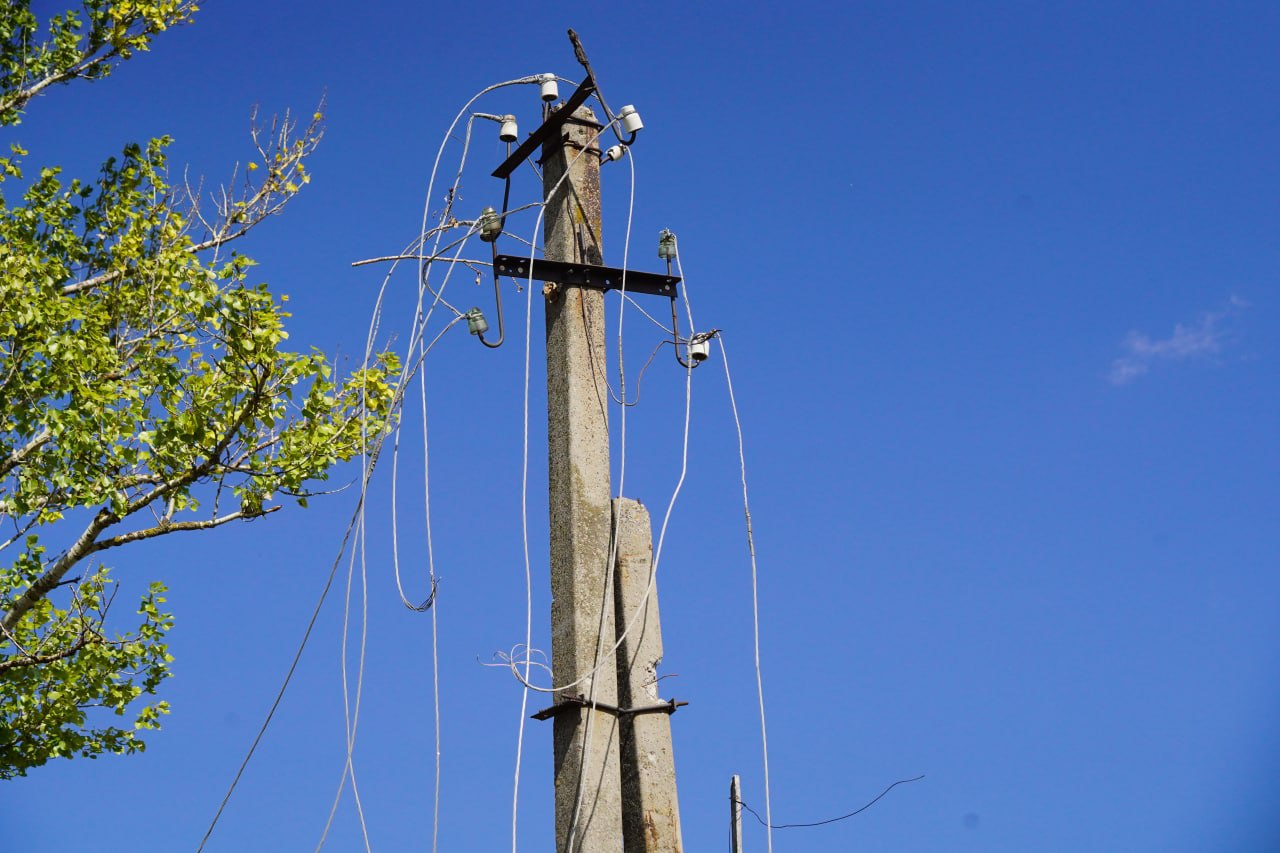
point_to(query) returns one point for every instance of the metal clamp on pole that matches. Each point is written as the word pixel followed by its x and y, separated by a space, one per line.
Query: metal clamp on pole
pixel 668 707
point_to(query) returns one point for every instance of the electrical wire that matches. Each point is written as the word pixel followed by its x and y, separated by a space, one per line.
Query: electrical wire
pixel 640 308
pixel 369 458
pixel 366 474
pixel 435 614
pixel 435 660
pixel 511 660
pixel 293 665
pixel 352 717
pixel 423 280
pixel 877 799
pixel 755 591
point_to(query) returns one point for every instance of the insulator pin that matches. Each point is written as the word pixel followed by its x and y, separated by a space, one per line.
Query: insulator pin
pixel 476 324
pixel 490 225
pixel 550 89
pixel 631 122
pixel 667 245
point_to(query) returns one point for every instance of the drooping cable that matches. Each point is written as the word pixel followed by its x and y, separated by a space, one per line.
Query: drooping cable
pixel 288 677
pixel 755 591
pixel 426 211
pixel 366 474
pixel 423 275
pixel 369 457
pixel 435 619
pixel 351 708
pixel 858 811
pixel 352 717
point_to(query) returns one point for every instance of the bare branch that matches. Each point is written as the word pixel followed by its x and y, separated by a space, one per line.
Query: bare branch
pixel 433 258
pixel 282 153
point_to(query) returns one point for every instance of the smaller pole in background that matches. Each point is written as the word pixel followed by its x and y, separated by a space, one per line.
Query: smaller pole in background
pixel 735 815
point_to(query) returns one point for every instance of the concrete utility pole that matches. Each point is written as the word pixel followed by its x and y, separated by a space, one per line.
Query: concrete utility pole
pixel 650 812
pixel 582 608
pixel 735 815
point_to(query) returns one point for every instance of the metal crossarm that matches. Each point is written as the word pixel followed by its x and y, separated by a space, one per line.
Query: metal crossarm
pixel 543 133
pixel 587 275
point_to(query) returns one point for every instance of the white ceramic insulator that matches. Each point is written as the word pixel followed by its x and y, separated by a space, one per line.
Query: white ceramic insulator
pixel 614 153
pixel 631 122
pixel 550 89
pixel 509 132
pixel 700 350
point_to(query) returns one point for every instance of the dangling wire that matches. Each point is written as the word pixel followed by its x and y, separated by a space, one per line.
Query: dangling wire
pixel 755 593
pixel 352 717
pixel 373 453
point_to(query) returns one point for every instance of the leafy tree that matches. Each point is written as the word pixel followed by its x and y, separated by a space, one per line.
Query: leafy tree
pixel 143 390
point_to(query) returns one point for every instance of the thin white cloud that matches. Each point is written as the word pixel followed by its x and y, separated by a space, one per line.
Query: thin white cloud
pixel 1203 338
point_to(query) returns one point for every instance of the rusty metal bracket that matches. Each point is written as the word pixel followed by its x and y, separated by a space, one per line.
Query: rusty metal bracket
pixel 586 275
pixel 668 707
pixel 549 127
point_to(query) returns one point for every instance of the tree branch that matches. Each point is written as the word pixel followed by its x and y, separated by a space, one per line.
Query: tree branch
pixel 174 526
pixel 15 458
pixel 44 584
pixel 85 544
pixel 86 638
pixel 20 98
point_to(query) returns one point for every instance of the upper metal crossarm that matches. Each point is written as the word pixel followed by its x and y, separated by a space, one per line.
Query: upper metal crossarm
pixel 553 123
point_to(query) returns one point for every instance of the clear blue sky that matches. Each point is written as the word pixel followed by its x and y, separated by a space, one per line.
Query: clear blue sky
pixel 999 288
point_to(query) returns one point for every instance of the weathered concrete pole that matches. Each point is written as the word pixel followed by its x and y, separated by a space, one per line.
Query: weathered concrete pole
pixel 582 607
pixel 650 812
pixel 735 815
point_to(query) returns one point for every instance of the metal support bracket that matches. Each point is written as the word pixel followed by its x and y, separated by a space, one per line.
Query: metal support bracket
pixel 668 707
pixel 586 275
pixel 547 130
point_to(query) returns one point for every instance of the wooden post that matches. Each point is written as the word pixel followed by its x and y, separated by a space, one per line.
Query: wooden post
pixel 588 796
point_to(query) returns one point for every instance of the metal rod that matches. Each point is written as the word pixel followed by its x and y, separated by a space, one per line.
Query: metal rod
pixel 497 295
